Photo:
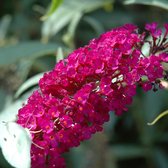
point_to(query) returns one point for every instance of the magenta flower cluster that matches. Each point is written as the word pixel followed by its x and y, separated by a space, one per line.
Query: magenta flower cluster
pixel 74 99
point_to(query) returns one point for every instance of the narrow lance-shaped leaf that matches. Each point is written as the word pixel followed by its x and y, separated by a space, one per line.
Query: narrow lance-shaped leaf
pixel 69 36
pixel 53 7
pixel 66 12
pixel 25 50
pixel 29 83
pixel 60 54
pixel 158 3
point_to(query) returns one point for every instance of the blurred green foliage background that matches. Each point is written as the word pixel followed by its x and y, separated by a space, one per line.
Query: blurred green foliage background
pixel 30 46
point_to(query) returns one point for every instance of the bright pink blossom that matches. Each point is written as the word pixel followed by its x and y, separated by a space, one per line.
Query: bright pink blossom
pixel 74 99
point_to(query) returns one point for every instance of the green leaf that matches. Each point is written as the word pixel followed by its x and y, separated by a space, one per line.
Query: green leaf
pixel 26 50
pixel 60 54
pixel 54 5
pixel 24 68
pixel 68 38
pixel 2 98
pixel 158 3
pixel 95 24
pixel 67 12
pixel 9 113
pixel 29 83
pixel 4 26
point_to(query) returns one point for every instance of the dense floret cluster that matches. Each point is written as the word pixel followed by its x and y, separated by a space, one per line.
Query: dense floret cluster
pixel 75 98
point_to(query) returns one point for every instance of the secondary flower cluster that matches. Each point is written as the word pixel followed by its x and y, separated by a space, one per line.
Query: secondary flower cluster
pixel 75 98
